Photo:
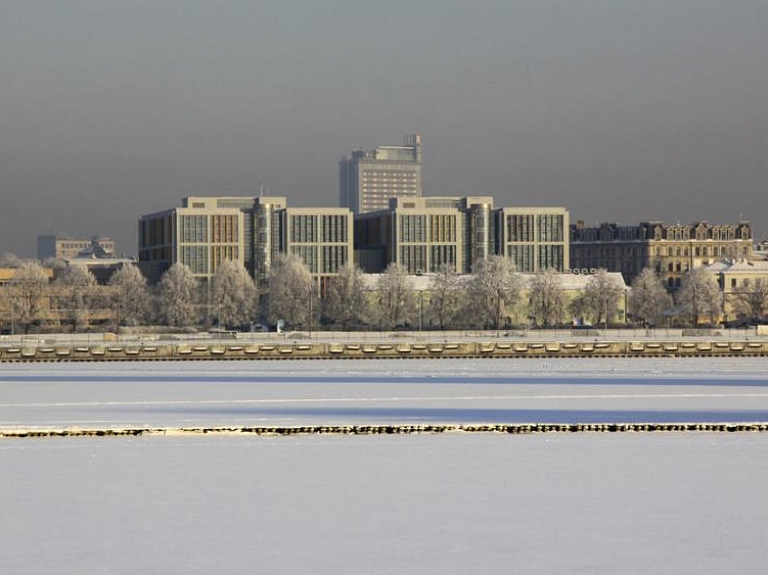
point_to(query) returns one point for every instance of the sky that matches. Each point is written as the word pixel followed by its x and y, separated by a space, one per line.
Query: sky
pixel 623 111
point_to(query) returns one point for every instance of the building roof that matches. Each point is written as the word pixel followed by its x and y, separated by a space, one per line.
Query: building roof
pixel 744 266
pixel 569 281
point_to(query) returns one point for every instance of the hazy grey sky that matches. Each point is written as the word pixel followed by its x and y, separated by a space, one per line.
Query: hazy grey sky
pixel 618 110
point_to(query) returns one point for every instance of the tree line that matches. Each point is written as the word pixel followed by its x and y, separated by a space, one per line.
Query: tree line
pixel 494 296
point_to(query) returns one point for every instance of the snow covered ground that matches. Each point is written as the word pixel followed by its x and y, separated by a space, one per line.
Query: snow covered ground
pixel 448 503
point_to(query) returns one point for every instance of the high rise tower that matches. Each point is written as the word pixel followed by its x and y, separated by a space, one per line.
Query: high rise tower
pixel 369 178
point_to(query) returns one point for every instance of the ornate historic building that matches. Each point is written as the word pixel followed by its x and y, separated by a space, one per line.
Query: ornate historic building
pixel 669 249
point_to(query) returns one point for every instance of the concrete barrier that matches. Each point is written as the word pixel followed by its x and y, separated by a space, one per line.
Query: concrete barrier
pixel 116 351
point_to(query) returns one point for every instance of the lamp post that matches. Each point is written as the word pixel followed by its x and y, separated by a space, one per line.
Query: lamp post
pixel 310 310
pixel 421 294
pixel 117 315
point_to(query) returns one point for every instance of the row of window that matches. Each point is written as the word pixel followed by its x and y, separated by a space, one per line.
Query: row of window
pixel 322 259
pixel 330 228
pixel 535 227
pixel 529 258
pixel 422 228
pixel 716 233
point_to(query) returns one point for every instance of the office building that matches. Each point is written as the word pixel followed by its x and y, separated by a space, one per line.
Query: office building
pixel 369 178
pixel 204 231
pixel 421 234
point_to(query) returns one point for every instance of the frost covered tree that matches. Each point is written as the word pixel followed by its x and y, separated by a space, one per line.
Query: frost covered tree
pixel 701 295
pixel 130 296
pixel 649 297
pixel 76 293
pixel 494 290
pixel 10 260
pixel 346 300
pixel 178 296
pixel 546 298
pixel 445 295
pixel 395 297
pixel 27 292
pixel 292 296
pixel 751 301
pixel 234 294
pixel 601 297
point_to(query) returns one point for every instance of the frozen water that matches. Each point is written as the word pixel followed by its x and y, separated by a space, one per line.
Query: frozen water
pixel 110 395
pixel 450 503
pixel 455 503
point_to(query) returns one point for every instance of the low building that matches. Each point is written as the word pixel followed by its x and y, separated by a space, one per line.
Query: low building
pixel 572 285
pixel 62 247
pixel 745 287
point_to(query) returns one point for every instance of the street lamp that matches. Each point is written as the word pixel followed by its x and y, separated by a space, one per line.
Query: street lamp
pixel 421 294
pixel 310 309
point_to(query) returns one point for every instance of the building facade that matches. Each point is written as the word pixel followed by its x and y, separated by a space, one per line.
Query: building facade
pixel 369 178
pixel 321 237
pixel 669 249
pixel 421 234
pixel 745 289
pixel 201 233
pixel 62 247
pixel 205 231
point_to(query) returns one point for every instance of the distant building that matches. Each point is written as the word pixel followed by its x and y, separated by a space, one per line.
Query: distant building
pixel 62 247
pixel 421 234
pixel 205 231
pixel 760 250
pixel 669 249
pixel 369 178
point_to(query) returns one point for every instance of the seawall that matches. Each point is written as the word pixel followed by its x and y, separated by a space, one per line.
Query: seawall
pixel 118 351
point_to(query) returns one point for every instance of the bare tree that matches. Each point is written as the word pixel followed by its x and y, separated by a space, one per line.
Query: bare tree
pixel 546 298
pixel 494 290
pixel 234 294
pixel 27 292
pixel 649 297
pixel 752 301
pixel 701 295
pixel 601 297
pixel 292 296
pixel 395 297
pixel 346 301
pixel 445 295
pixel 178 296
pixel 130 296
pixel 76 290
